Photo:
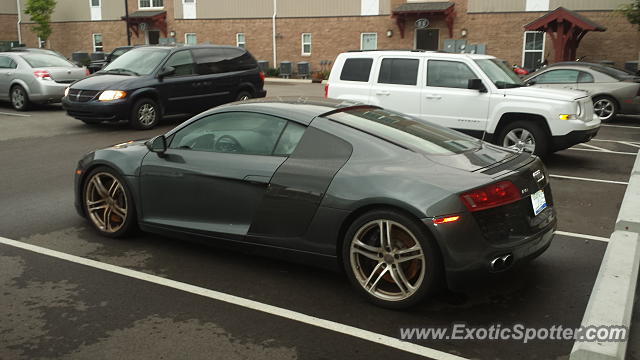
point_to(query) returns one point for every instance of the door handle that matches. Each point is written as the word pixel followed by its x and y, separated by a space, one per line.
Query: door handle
pixel 433 96
pixel 383 93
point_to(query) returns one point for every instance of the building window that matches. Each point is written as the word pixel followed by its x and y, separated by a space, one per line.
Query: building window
pixel 96 11
pixel 190 39
pixel 150 4
pixel 97 43
pixel 370 7
pixel 369 41
pixel 533 49
pixel 240 42
pixel 537 5
pixel 306 44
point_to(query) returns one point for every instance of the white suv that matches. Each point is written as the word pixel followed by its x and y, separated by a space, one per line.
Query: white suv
pixel 475 94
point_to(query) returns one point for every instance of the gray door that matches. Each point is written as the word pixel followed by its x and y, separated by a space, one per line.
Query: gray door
pixel 427 39
pixel 153 37
pixel 7 74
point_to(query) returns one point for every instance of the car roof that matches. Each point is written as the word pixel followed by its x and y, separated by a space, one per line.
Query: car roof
pixel 182 47
pixel 431 54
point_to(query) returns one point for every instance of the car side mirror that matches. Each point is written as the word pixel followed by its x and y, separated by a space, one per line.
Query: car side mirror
pixel 476 84
pixel 166 71
pixel 158 145
pixel 530 82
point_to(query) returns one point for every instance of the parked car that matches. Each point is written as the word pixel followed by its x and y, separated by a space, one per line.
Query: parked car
pixel 476 94
pixel 38 50
pixel 614 91
pixel 97 65
pixel 35 78
pixel 394 201
pixel 146 83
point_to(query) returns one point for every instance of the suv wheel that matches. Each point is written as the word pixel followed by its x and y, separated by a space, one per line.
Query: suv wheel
pixel 605 107
pixel 19 98
pixel 145 114
pixel 526 136
pixel 243 95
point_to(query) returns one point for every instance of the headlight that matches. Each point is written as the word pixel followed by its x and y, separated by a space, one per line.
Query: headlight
pixel 66 91
pixel 109 95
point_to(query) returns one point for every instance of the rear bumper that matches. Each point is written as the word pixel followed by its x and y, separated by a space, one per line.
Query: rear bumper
pixel 43 91
pixel 573 138
pixel 261 93
pixel 97 110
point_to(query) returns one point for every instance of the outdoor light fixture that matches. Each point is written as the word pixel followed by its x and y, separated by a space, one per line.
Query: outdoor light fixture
pixel 172 33
pixel 464 32
pixel 389 33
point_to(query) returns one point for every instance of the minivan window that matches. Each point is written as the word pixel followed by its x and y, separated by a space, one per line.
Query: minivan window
pixel 450 74
pixel 182 62
pixel 36 60
pixel 142 61
pixel 221 60
pixel 399 71
pixel 407 131
pixel 356 69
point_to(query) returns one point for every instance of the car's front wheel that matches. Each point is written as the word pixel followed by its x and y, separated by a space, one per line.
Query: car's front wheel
pixel 19 98
pixel 145 114
pixel 391 259
pixel 525 136
pixel 108 203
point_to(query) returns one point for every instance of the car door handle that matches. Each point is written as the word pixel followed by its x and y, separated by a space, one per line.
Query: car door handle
pixel 433 96
pixel 383 93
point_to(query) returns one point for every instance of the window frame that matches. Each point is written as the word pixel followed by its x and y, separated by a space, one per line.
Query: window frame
pixel 151 5
pixel 362 35
pixel 93 40
pixel 243 42
pixel 11 62
pixel 524 45
pixel 537 78
pixel 376 79
pixel 193 64
pixel 426 84
pixel 186 36
pixel 371 68
pixel 303 44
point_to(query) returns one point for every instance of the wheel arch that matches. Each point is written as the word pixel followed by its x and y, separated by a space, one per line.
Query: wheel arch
pixel 511 117
pixel 102 163
pixel 145 93
pixel 607 95
pixel 246 86
pixel 20 82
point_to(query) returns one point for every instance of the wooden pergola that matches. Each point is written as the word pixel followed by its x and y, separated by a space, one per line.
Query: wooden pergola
pixel 153 19
pixel 413 11
pixel 566 29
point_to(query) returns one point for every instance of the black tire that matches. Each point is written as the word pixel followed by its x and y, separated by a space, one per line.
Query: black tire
pixel 356 265
pixel 244 95
pixel 19 98
pixel 125 225
pixel 145 114
pixel 605 107
pixel 540 138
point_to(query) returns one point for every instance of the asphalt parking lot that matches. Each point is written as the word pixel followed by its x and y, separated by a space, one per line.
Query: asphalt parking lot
pixel 56 308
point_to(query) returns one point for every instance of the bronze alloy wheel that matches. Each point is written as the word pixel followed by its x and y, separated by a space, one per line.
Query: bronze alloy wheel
pixel 106 202
pixel 387 260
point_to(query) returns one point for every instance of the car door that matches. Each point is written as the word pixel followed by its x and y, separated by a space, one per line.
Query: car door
pixel 396 86
pixel 447 100
pixel 179 90
pixel 216 73
pixel 214 173
pixel 557 79
pixel 7 74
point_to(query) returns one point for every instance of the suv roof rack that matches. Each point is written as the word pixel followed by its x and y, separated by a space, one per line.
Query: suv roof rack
pixel 408 50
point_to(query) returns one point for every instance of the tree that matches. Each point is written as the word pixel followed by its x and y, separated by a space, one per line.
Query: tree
pixel 40 12
pixel 632 12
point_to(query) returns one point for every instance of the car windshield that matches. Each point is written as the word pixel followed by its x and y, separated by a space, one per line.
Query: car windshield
pixel 499 73
pixel 407 131
pixel 38 60
pixel 140 61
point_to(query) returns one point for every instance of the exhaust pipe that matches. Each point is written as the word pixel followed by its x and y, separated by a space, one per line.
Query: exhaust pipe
pixel 501 262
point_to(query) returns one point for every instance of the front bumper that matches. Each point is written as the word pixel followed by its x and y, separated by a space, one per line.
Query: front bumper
pixel 97 111
pixel 575 137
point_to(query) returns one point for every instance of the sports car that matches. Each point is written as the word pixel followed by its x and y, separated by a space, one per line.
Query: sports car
pixel 400 205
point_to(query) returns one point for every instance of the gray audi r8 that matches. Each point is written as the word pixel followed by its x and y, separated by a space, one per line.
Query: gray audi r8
pixel 397 203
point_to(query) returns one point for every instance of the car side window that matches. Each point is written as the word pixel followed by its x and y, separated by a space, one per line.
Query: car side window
pixel 289 139
pixel 585 77
pixel 399 71
pixel 563 76
pixel 356 69
pixel 239 133
pixel 7 63
pixel 449 74
pixel 222 60
pixel 182 61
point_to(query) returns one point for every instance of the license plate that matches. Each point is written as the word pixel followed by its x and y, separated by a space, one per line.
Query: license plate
pixel 539 202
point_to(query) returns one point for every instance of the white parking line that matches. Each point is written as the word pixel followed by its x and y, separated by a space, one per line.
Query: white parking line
pixel 588 179
pixel 604 152
pixel 246 303
pixel 621 126
pixel 630 143
pixel 595 147
pixel 14 114
pixel 582 236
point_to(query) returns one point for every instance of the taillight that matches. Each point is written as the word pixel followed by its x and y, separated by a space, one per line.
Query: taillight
pixel 42 74
pixel 494 195
pixel 326 90
pixel 262 77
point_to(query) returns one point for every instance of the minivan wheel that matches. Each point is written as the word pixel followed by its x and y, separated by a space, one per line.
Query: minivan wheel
pixel 243 95
pixel 19 98
pixel 390 259
pixel 525 136
pixel 605 107
pixel 145 114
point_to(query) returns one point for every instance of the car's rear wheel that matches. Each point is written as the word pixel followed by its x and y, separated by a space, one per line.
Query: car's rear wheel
pixel 244 95
pixel 19 98
pixel 108 203
pixel 391 259
pixel 526 136
pixel 605 107
pixel 145 114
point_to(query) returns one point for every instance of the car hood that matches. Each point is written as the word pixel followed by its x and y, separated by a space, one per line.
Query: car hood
pixel 106 82
pixel 486 156
pixel 545 93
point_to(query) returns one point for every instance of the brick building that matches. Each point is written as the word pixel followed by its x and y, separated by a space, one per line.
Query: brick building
pixel 312 30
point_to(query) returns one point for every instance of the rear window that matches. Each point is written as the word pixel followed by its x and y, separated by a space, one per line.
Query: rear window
pixel 356 69
pixel 399 71
pixel 407 131
pixel 221 60
pixel 45 60
pixel 615 73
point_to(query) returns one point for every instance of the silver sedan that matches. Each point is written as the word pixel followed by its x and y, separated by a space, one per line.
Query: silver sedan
pixel 614 91
pixel 35 78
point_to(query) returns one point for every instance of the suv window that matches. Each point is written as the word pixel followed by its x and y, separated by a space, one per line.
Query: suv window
pixel 182 61
pixel 450 74
pixel 399 71
pixel 7 63
pixel 356 70
pixel 558 77
pixel 240 133
pixel 221 60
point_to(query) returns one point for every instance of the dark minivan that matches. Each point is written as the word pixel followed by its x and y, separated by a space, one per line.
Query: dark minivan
pixel 149 82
